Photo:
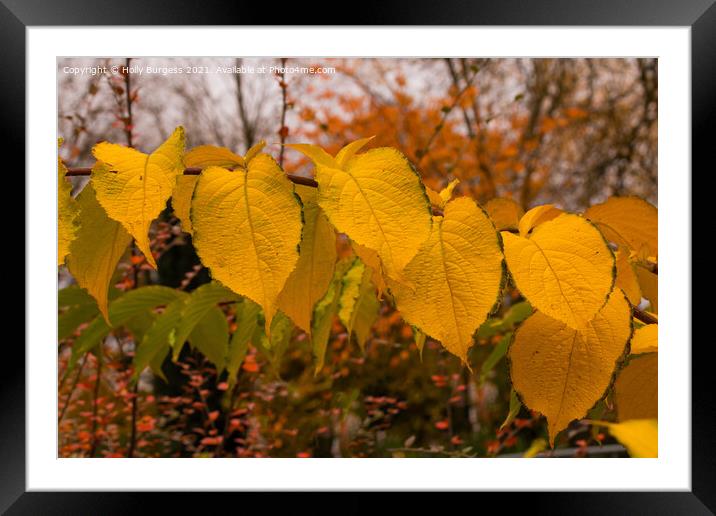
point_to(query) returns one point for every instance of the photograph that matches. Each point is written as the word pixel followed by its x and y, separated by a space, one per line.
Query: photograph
pixel 357 257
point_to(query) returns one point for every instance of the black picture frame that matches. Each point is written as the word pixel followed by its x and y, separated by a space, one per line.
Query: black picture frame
pixel 699 15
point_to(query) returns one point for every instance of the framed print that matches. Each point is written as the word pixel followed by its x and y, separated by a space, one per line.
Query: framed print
pixel 419 254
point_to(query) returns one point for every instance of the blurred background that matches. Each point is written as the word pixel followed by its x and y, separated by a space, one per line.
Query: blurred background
pixel 571 132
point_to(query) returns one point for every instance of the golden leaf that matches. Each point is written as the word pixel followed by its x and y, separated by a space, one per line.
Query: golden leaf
pixel 628 221
pixel 358 304
pixel 639 436
pixel 439 199
pixel 636 390
pixel 247 229
pixel 565 268
pixel 371 259
pixel 455 279
pixel 645 339
pixel 202 157
pixel 99 245
pixel 505 213
pixel 626 277
pixel 649 283
pixel 135 187
pixel 67 213
pixel 210 156
pixel 181 200
pixel 310 279
pixel 562 372
pixel 537 216
pixel 376 198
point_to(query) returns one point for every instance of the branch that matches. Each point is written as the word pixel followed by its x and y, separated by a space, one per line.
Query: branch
pixel 608 450
pixel 644 317
pixel 194 171
pixel 283 130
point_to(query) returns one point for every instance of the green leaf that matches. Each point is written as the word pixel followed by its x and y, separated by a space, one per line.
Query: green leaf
pixel 156 365
pixel 161 333
pixel 73 295
pixel 95 332
pixel 275 347
pixel 202 303
pixel 68 322
pixel 513 316
pixel 126 309
pixel 497 354
pixel 515 407
pixel 80 307
pixel 140 300
pixel 516 314
pixel 246 325
pixel 211 336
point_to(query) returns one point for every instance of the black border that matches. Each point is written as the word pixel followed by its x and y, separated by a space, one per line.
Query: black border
pixel 700 15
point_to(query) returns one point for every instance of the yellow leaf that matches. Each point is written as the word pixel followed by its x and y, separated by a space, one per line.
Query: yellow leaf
pixel 254 151
pixel 136 186
pixel 565 268
pixel 310 279
pixel 639 436
pixel 202 157
pixel 636 390
pixel 537 447
pixel 505 213
pixel 371 259
pixel 181 200
pixel 446 193
pixel 67 213
pixel 324 313
pixel 456 275
pixel 247 229
pixel 649 283
pixel 439 199
pixel 537 216
pixel 419 341
pixel 347 152
pixel 434 197
pixel 99 245
pixel 358 304
pixel 315 154
pixel 645 339
pixel 210 156
pixel 562 372
pixel 626 277
pixel 628 221
pixel 377 199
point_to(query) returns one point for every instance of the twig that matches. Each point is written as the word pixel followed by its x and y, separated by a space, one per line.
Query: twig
pixel 283 130
pixel 446 110
pixel 133 433
pixel 227 421
pixel 247 127
pixel 589 451
pixel 128 124
pixel 195 171
pixel 72 389
pixel 95 404
pixel 644 317
pixel 446 453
